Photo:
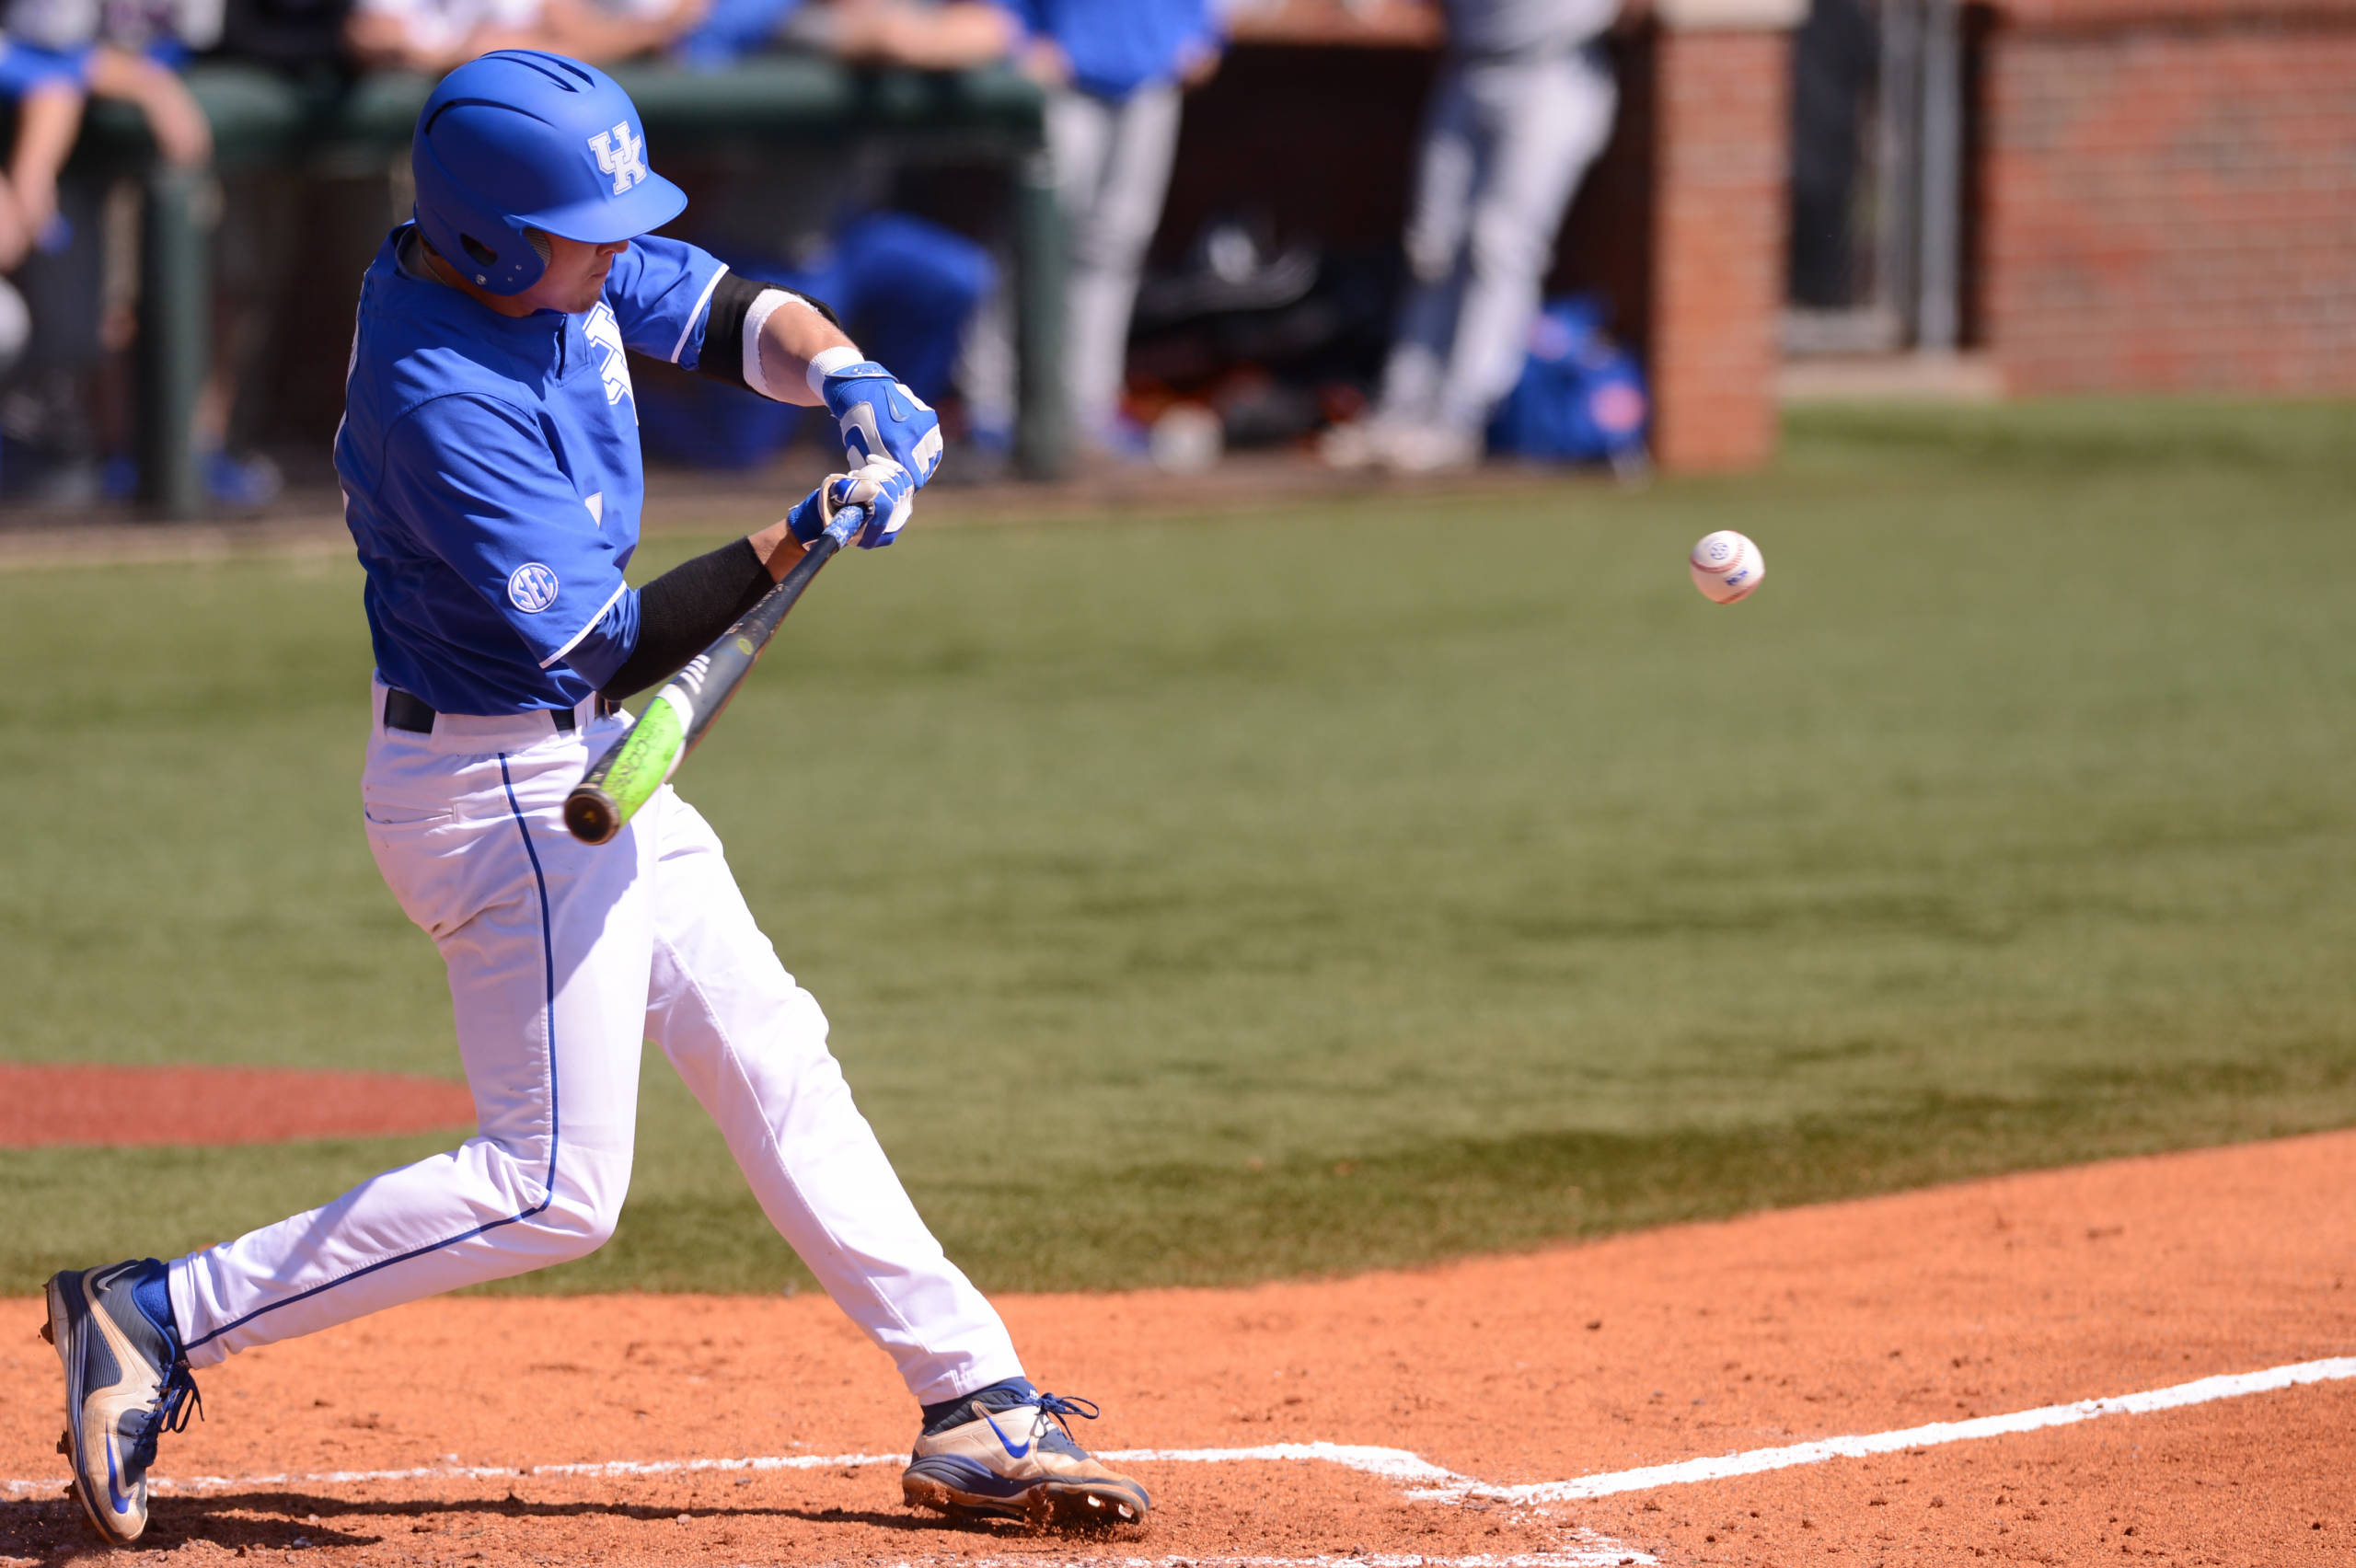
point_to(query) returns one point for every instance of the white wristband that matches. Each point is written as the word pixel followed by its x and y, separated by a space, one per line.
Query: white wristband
pixel 826 362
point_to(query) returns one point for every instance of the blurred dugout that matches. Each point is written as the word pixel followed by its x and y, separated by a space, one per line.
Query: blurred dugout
pixel 2048 194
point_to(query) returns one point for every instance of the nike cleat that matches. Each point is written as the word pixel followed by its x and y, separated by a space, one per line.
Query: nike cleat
pixel 1006 1453
pixel 127 1383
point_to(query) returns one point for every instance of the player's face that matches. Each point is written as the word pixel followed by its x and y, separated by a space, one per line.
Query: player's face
pixel 575 276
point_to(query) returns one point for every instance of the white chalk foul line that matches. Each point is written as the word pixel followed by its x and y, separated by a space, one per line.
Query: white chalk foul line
pixel 1587 1548
pixel 1396 1464
pixel 2178 1397
pixel 606 1468
pixel 1592 1551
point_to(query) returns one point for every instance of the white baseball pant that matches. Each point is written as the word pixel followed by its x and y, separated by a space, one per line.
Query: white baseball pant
pixel 1112 160
pixel 564 960
pixel 1504 145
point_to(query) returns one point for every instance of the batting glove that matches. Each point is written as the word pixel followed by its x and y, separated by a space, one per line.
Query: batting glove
pixel 880 418
pixel 886 489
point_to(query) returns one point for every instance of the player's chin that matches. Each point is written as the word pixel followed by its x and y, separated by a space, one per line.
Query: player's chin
pixel 591 289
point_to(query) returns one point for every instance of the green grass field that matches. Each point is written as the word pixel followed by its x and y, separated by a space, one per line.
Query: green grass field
pixel 1208 900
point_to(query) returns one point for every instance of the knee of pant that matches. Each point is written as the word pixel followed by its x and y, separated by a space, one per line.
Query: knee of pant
pixel 1507 245
pixel 1105 241
pixel 575 1222
pixel 1431 255
pixel 581 1200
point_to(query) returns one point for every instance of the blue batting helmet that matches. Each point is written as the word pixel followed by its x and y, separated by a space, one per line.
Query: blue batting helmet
pixel 520 140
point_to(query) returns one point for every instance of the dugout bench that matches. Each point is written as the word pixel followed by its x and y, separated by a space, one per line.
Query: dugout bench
pixel 260 120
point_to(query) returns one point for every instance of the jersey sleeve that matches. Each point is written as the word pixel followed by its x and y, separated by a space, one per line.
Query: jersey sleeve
pixel 659 292
pixel 477 482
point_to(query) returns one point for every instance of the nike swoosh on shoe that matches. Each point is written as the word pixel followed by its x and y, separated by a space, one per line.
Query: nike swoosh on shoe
pixel 115 1498
pixel 1011 1452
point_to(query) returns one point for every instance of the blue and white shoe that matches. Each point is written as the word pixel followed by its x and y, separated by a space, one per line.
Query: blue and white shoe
pixel 1006 1453
pixel 127 1383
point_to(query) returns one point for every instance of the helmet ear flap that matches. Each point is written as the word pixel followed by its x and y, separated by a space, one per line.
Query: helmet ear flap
pixel 461 222
pixel 483 256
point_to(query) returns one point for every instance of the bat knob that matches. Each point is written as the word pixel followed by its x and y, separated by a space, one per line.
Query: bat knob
pixel 590 815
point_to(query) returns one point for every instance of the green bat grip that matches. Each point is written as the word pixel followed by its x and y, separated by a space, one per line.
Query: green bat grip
pixel 643 761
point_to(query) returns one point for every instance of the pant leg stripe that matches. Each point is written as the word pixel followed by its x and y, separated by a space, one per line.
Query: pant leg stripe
pixel 548 980
pixel 547 956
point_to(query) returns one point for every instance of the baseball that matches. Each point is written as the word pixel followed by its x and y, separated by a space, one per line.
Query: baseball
pixel 1726 566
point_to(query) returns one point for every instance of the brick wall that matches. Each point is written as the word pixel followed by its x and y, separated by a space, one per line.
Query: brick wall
pixel 1721 159
pixel 2168 195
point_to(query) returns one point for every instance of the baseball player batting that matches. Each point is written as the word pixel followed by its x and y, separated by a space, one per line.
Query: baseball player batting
pixel 492 482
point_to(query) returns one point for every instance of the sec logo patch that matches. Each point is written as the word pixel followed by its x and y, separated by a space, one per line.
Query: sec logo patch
pixel 531 588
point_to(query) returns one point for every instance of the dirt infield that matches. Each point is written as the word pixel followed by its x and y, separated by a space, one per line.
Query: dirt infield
pixel 42 1105
pixel 764 1430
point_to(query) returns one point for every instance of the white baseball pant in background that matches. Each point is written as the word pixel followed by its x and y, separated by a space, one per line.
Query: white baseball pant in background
pixel 1112 160
pixel 564 960
pixel 1505 143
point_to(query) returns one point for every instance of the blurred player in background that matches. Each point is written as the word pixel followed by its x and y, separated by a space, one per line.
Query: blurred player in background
pixel 431 36
pixel 45 86
pixel 45 73
pixel 819 219
pixel 1116 71
pixel 54 55
pixel 1523 104
pixel 145 46
pixel 925 35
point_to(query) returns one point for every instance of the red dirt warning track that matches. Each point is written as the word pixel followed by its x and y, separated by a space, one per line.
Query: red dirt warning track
pixel 1849 1318
pixel 42 1105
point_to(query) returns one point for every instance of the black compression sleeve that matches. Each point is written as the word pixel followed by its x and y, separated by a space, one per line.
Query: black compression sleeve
pixel 682 612
pixel 722 358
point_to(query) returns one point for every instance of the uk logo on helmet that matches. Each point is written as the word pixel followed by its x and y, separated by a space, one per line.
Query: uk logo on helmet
pixel 620 154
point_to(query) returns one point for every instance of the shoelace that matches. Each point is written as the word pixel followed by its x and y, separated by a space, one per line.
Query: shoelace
pixel 175 1398
pixel 1061 1409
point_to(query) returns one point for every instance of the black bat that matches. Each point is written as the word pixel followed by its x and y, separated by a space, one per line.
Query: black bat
pixel 643 761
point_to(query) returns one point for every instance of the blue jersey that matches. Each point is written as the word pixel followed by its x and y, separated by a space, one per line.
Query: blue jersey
pixel 491 477
pixel 1117 46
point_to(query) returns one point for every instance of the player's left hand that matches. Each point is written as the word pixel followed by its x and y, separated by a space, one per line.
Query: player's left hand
pixel 880 418
pixel 886 489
